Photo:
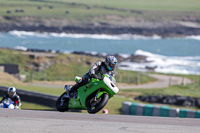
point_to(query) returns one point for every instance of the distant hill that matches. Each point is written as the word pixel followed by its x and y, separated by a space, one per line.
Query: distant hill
pixel 144 17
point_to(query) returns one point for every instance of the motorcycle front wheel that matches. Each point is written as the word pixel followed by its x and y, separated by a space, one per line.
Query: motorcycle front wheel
pixel 95 105
pixel 62 103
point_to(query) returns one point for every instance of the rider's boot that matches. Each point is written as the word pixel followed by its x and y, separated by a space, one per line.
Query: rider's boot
pixel 74 88
pixel 67 89
pixel 71 90
pixel 1 105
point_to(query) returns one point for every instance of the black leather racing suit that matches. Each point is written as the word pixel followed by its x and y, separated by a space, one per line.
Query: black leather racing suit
pixel 96 71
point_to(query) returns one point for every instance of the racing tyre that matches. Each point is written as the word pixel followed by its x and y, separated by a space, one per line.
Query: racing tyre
pixel 95 105
pixel 62 103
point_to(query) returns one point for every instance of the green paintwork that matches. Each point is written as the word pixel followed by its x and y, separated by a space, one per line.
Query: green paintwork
pixel 87 90
pixel 100 93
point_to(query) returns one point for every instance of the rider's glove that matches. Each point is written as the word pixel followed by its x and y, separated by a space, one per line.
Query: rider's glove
pixel 96 77
pixel 100 78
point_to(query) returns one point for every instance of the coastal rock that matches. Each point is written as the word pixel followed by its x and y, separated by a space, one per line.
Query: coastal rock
pixel 137 58
pixel 131 58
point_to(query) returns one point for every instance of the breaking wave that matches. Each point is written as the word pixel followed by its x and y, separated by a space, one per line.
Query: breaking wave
pixel 23 34
pixel 164 64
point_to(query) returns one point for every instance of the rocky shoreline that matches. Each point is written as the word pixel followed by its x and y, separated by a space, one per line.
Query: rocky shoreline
pixel 163 31
pixel 35 53
pixel 131 58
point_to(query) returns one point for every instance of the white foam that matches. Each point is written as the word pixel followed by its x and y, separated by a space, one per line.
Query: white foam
pixel 23 34
pixel 104 36
pixel 125 55
pixel 21 48
pixel 193 37
pixel 65 52
pixel 145 53
pixel 164 64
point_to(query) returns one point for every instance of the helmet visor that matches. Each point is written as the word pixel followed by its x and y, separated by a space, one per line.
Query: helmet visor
pixel 10 93
pixel 112 65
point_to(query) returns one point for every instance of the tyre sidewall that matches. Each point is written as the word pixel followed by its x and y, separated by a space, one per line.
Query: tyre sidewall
pixel 64 107
pixel 100 106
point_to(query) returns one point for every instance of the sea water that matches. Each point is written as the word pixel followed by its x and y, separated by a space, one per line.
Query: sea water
pixel 166 55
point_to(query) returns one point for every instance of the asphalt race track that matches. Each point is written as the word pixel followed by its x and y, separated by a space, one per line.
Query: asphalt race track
pixel 31 121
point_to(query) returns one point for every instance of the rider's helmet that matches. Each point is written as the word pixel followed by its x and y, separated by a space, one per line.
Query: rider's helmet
pixel 11 91
pixel 110 62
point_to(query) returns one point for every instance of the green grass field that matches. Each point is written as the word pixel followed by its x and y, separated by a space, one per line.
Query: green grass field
pixel 192 90
pixel 189 5
pixel 186 5
pixel 90 10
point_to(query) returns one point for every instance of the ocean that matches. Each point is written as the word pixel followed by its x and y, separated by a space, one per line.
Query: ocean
pixel 166 55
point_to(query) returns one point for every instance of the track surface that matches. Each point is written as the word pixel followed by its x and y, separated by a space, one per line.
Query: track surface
pixel 24 121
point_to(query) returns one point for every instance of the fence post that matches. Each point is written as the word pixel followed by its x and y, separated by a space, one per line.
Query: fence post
pixel 183 81
pixel 199 78
pixel 120 78
pixel 138 79
pixel 169 80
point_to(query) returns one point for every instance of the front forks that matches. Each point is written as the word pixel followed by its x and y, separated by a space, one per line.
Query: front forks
pixel 94 101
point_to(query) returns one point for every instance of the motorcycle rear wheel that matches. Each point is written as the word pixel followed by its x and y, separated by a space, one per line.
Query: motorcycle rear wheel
pixel 62 103
pixel 93 108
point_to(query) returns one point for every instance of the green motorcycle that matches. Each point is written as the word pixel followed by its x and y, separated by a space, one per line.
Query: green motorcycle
pixel 91 97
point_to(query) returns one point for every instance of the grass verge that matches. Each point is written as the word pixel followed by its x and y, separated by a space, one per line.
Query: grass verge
pixel 192 90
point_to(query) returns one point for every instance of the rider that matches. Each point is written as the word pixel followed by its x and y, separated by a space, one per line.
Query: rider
pixel 96 71
pixel 13 96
